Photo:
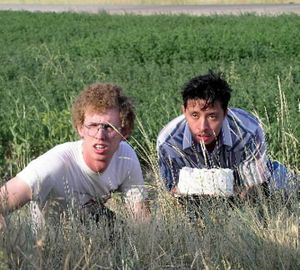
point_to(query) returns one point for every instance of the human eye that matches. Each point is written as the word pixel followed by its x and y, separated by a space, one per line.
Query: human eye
pixel 92 127
pixel 194 115
pixel 213 116
pixel 108 127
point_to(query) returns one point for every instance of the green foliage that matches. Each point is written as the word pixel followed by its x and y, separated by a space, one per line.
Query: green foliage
pixel 48 58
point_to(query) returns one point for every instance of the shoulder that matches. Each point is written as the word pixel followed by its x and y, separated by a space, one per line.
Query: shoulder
pixel 245 129
pixel 50 165
pixel 58 155
pixel 125 153
pixel 241 121
pixel 125 147
pixel 67 147
pixel 124 162
pixel 172 132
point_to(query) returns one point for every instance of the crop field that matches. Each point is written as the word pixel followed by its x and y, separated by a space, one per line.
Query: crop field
pixel 46 59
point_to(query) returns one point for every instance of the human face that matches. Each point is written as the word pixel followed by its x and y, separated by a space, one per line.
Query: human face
pixel 205 121
pixel 101 137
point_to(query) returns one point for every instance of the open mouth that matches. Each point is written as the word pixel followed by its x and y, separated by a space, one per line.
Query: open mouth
pixel 204 138
pixel 100 148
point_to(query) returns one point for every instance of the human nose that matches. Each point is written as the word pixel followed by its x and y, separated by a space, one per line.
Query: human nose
pixel 203 124
pixel 101 133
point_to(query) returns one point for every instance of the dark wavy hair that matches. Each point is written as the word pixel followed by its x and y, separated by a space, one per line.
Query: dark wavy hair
pixel 210 87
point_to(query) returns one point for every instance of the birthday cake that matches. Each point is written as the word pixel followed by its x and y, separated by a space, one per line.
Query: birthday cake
pixel 218 182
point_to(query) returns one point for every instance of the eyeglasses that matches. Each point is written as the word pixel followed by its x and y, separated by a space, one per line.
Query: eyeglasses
pixel 92 129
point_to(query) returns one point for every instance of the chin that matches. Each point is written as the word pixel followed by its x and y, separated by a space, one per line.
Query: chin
pixel 104 159
pixel 205 142
pixel 101 159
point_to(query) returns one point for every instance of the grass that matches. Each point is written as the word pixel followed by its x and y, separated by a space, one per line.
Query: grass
pixel 262 235
pixel 151 57
pixel 246 237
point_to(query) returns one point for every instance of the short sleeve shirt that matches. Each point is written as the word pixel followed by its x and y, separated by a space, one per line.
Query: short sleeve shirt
pixel 62 175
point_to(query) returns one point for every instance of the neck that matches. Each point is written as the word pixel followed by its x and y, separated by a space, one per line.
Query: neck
pixel 210 147
pixel 96 165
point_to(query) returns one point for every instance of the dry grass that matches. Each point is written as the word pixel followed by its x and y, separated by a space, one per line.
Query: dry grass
pixel 224 238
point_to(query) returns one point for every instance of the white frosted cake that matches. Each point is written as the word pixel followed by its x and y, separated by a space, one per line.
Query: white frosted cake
pixel 193 181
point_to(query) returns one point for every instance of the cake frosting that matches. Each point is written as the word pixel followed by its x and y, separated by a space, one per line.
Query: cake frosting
pixel 193 181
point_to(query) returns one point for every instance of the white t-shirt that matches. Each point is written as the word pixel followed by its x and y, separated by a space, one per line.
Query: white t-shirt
pixel 61 175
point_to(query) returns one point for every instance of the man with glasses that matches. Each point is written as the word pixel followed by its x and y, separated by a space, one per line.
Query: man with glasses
pixel 81 175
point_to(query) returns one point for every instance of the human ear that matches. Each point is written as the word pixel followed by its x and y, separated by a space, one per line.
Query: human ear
pixel 225 112
pixel 80 131
pixel 125 134
pixel 183 109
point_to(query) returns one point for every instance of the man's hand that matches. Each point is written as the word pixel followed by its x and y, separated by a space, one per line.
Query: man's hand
pixel 253 193
pixel 140 211
pixel 13 194
pixel 244 193
pixel 175 191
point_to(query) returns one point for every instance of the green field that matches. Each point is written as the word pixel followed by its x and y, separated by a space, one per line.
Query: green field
pixel 46 59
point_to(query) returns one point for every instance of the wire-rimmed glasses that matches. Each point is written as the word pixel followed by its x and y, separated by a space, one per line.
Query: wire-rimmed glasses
pixel 93 128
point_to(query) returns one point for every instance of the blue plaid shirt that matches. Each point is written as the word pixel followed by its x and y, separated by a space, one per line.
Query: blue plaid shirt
pixel 241 146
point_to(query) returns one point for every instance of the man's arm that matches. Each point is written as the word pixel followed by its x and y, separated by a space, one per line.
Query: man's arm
pixel 133 190
pixel 254 170
pixel 169 169
pixel 13 194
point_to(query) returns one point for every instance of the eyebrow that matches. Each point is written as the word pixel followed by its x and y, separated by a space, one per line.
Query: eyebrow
pixel 209 110
pixel 98 123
